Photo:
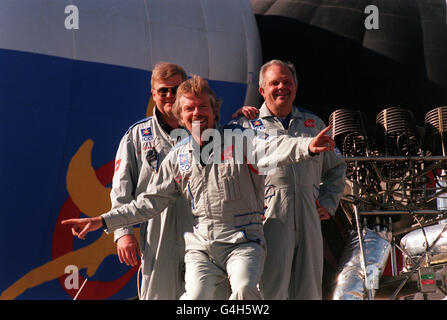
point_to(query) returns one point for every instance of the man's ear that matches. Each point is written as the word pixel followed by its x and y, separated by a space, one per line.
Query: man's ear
pixel 261 91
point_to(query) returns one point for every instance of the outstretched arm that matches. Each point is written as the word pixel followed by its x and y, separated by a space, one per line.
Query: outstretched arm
pixel 161 191
pixel 268 152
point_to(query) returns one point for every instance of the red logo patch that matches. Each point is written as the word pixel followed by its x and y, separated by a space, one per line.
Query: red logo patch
pixel 117 164
pixel 310 123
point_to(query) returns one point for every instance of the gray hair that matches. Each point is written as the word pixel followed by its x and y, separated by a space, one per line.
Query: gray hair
pixel 289 65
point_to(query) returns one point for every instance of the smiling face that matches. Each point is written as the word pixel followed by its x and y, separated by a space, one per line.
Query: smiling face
pixel 197 110
pixel 279 89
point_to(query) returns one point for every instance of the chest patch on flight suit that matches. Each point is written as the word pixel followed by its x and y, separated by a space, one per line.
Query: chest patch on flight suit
pixel 309 123
pixel 257 124
pixel 146 134
pixel 263 136
pixel 184 162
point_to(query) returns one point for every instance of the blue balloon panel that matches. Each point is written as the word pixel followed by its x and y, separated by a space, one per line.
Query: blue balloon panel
pixel 61 123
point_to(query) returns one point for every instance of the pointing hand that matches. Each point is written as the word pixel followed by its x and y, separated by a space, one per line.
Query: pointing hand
pixel 80 227
pixel 322 142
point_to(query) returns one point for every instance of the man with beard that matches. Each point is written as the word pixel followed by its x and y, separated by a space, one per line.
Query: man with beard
pixel 226 195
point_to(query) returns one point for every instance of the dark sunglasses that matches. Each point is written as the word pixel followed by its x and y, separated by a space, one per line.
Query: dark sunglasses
pixel 163 92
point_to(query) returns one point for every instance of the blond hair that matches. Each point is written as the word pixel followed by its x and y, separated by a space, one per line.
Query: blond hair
pixel 165 71
pixel 195 86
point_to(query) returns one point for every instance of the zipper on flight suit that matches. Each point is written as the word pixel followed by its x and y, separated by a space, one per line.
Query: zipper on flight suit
pixel 192 197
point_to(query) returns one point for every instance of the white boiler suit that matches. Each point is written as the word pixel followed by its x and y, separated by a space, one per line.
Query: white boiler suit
pixel 294 263
pixel 141 150
pixel 227 202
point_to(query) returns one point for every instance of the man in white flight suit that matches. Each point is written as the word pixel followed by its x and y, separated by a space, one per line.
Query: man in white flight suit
pixel 226 195
pixel 140 152
pixel 297 196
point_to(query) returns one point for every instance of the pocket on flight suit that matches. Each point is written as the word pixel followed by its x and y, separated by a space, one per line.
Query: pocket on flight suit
pixel 229 183
pixel 250 227
pixel 279 202
pixel 254 233
pixel 231 189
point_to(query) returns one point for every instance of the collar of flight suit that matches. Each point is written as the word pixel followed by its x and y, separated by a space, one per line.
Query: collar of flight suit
pixel 166 127
pixel 194 145
pixel 264 112
pixel 162 126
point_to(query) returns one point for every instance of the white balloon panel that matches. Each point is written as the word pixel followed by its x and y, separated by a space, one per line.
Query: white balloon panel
pixel 68 96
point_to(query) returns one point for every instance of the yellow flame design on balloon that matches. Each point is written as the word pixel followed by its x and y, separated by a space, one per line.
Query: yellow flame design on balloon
pixel 93 199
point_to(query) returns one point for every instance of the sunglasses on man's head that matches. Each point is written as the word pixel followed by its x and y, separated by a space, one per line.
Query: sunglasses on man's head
pixel 163 92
